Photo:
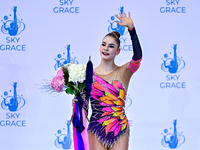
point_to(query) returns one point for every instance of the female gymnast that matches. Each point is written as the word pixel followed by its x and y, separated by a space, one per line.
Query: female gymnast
pixel 109 128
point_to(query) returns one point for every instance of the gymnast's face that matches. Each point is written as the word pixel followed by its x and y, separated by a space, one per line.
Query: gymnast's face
pixel 109 48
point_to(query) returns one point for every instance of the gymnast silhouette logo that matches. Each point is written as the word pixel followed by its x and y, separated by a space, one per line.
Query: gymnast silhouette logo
pixel 64 140
pixel 60 60
pixel 172 65
pixel 12 103
pixel 116 27
pixel 172 140
pixel 12 27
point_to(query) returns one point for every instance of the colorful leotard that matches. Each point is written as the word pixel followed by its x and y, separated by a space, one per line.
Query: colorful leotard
pixel 108 121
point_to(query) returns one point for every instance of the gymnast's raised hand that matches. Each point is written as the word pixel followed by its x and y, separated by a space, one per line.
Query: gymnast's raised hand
pixel 126 21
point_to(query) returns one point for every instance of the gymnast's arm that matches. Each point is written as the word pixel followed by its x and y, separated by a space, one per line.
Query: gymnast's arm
pixel 137 50
pixel 132 66
pixel 126 21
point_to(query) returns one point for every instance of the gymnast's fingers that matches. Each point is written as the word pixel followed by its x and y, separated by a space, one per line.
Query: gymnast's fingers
pixel 74 101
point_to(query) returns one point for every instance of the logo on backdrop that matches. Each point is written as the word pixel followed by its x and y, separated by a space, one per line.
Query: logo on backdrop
pixel 66 6
pixel 172 138
pixel 62 59
pixel 13 102
pixel 128 103
pixel 113 26
pixel 116 27
pixel 173 6
pixel 172 63
pixel 12 26
pixel 64 140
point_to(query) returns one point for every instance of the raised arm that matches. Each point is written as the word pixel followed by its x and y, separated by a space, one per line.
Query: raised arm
pixel 126 21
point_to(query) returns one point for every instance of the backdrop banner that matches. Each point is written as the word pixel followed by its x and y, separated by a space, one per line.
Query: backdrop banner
pixel 162 104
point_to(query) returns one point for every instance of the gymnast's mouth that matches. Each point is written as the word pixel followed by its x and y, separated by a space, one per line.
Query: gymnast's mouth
pixel 104 53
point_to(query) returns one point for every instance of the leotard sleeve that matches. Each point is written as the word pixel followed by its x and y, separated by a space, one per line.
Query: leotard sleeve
pixel 137 50
pixel 132 66
pixel 128 69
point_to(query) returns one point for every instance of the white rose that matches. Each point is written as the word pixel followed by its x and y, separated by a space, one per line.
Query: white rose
pixel 77 73
pixel 65 66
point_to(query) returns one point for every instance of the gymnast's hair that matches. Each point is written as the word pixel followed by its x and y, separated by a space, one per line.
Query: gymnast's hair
pixel 115 35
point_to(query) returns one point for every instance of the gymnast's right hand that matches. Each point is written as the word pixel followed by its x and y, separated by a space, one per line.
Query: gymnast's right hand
pixel 74 100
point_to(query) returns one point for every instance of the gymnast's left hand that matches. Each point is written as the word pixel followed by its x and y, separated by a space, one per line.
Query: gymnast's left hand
pixel 126 21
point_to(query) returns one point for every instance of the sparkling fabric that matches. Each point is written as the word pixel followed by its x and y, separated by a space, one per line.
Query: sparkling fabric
pixel 108 121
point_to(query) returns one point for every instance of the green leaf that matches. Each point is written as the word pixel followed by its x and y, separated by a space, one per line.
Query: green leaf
pixel 70 85
pixel 69 91
pixel 66 75
pixel 87 117
pixel 75 87
pixel 76 93
pixel 81 86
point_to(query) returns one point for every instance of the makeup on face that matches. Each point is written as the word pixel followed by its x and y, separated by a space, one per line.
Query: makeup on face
pixel 108 46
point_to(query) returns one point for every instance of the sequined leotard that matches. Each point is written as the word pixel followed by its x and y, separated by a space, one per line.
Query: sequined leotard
pixel 108 121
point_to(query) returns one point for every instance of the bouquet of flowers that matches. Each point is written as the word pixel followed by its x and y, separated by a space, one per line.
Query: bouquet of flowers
pixel 76 79
pixel 70 77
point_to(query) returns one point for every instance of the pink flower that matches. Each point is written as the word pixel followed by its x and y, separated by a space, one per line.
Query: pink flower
pixel 60 73
pixel 58 81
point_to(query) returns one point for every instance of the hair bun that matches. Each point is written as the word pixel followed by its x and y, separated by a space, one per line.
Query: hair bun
pixel 116 33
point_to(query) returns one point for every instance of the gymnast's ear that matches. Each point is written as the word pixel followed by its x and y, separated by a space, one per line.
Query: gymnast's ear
pixel 118 51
